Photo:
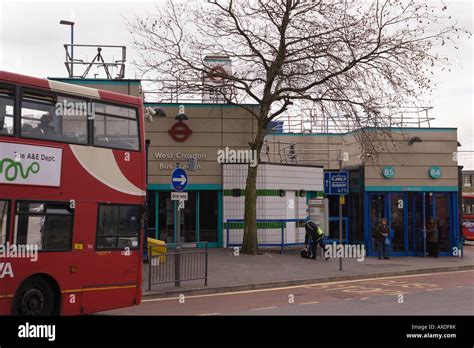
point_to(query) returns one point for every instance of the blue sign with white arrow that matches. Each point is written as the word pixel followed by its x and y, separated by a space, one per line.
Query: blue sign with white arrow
pixel 179 179
pixel 336 183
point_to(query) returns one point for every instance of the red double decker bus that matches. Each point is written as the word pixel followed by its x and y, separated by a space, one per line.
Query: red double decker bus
pixel 72 191
pixel 468 216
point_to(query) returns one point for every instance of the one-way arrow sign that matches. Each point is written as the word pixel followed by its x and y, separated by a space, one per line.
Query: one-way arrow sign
pixel 179 179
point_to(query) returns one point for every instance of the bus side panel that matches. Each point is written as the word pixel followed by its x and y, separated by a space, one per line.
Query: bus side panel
pixel 5 306
pixel 96 299
pixel 71 303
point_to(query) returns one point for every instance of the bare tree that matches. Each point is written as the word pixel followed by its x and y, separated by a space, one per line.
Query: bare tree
pixel 350 58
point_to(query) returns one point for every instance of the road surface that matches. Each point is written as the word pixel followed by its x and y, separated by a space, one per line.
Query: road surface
pixel 450 293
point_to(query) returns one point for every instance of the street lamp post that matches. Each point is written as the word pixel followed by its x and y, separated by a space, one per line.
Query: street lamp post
pixel 71 24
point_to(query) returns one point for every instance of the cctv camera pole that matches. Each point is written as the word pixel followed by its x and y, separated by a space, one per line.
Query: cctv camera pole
pixel 341 199
pixel 71 24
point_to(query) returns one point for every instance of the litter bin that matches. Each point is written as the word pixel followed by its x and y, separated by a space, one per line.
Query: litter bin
pixel 157 247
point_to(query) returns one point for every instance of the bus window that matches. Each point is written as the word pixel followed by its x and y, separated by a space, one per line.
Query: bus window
pixel 54 118
pixel 48 225
pixel 116 127
pixel 118 227
pixel 468 205
pixel 6 110
pixel 3 221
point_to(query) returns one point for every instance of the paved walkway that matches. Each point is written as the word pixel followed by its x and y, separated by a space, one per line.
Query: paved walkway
pixel 228 272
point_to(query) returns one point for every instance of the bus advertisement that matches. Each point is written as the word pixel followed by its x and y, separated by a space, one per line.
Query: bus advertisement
pixel 72 192
pixel 468 216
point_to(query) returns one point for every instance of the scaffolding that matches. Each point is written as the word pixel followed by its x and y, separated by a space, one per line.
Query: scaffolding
pixel 113 69
pixel 310 121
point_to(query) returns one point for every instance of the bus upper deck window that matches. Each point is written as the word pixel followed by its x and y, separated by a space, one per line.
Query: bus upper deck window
pixel 6 110
pixel 116 127
pixel 3 221
pixel 58 118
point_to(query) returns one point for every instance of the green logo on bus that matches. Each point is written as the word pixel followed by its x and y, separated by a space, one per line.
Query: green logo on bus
pixel 11 169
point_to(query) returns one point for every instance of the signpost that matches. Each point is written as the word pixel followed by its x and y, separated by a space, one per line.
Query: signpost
pixel 179 180
pixel 179 196
pixel 337 183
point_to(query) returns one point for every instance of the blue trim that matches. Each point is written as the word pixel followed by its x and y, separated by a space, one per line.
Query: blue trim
pixel 344 219
pixel 157 214
pixel 198 207
pixel 195 187
pixel 405 220
pixel 411 188
pixel 175 220
pixel 220 218
pixel 367 236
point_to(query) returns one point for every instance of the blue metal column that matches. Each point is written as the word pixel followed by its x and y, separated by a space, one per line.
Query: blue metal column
pixel 405 222
pixel 175 220
pixel 157 214
pixel 198 208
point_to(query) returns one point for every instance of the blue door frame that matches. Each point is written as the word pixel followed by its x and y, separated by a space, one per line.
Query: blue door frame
pixel 453 214
pixel 196 189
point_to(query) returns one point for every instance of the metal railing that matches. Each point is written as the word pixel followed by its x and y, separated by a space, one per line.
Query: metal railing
pixel 179 263
pixel 311 121
pixel 282 244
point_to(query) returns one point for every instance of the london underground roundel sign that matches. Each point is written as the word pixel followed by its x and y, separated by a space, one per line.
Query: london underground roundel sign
pixel 180 132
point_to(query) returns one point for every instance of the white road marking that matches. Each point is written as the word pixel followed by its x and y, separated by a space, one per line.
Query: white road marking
pixel 209 314
pixel 261 309
pixel 302 286
pixel 305 303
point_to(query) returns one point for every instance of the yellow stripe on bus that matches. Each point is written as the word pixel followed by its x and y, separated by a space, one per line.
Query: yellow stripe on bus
pixel 97 289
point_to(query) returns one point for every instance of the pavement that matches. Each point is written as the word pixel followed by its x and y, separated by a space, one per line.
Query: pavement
pixel 228 272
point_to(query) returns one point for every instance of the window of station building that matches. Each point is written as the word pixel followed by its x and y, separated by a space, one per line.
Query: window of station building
pixel 3 221
pixel 57 118
pixel 48 225
pixel 118 227
pixel 116 127
pixel 6 110
pixel 467 180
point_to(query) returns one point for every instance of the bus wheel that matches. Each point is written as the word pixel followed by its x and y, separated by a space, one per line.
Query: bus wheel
pixel 35 297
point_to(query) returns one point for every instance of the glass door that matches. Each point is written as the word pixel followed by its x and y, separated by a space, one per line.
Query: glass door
pixel 188 219
pixel 421 212
pixel 376 213
pixel 208 216
pixel 166 209
pixel 443 222
pixel 396 222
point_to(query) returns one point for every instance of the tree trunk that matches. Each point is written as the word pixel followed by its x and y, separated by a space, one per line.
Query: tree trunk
pixel 249 243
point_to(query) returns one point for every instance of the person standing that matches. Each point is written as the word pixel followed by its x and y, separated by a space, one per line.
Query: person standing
pixel 380 234
pixel 432 237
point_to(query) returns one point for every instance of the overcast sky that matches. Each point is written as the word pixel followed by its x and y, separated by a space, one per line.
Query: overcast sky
pixel 31 42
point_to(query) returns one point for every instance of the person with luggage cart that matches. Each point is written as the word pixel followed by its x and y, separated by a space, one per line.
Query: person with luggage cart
pixel 314 236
